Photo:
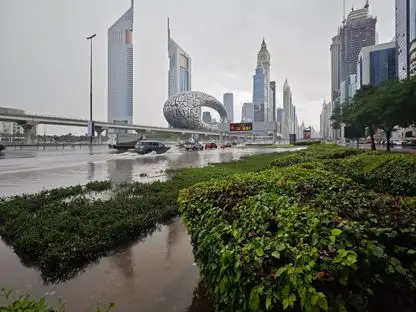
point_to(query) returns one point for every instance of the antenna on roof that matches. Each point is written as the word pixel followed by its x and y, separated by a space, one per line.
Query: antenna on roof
pixel 367 5
pixel 343 13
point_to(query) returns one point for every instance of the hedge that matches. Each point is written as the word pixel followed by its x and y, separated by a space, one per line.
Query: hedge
pixel 304 240
pixel 391 173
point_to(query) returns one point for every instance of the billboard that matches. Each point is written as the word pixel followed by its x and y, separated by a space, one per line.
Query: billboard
pixel 241 126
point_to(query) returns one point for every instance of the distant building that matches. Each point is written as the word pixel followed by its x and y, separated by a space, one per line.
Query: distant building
pixel 376 64
pixel 325 127
pixel 247 112
pixel 206 117
pixel 9 128
pixel 335 67
pixel 280 119
pixel 228 101
pixel 261 86
pixel 273 98
pixel 120 70
pixel 288 108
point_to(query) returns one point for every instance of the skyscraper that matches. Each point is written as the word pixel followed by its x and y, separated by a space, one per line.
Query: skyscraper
pixel 206 117
pixel 376 64
pixel 288 108
pixel 273 99
pixel 406 37
pixel 358 31
pixel 335 67
pixel 228 101
pixel 120 69
pixel 179 75
pixel 263 110
pixel 280 119
pixel 247 112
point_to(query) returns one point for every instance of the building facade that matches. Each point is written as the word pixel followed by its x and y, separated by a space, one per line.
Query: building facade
pixel 357 31
pixel 206 117
pixel 120 69
pixel 335 67
pixel 288 108
pixel 280 119
pixel 228 101
pixel 180 68
pixel 263 107
pixel 273 98
pixel 325 127
pixel 405 38
pixel 247 112
pixel 377 64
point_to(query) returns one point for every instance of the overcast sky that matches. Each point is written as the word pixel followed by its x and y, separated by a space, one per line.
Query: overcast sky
pixel 44 56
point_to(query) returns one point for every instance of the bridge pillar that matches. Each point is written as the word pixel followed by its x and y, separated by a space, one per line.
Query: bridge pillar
pixel 29 132
pixel 99 131
pixel 221 138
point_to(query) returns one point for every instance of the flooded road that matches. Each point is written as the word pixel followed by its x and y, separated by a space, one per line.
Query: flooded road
pixel 155 274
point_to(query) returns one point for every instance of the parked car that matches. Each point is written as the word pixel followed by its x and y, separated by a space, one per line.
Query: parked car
pixel 194 147
pixel 210 146
pixel 2 147
pixel 145 147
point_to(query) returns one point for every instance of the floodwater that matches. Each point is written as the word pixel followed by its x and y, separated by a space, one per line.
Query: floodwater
pixel 155 274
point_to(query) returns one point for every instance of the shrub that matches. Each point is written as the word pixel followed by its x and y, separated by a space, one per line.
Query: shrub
pixel 306 143
pixel 394 173
pixel 301 239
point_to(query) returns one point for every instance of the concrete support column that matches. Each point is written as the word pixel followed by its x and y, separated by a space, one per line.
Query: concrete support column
pixel 274 137
pixel 221 138
pixel 29 132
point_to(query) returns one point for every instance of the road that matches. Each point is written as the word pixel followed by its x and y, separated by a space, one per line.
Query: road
pixel 156 274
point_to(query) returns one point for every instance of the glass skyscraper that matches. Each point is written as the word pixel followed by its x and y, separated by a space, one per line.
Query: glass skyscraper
pixel 377 64
pixel 120 70
pixel 263 106
pixel 406 38
pixel 179 75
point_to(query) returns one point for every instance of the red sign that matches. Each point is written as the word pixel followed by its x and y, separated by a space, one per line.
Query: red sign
pixel 243 126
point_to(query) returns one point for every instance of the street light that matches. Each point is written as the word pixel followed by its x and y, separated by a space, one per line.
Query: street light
pixel 91 126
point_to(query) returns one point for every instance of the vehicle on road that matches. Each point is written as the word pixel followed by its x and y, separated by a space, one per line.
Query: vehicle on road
pixel 123 141
pixel 146 147
pixel 2 147
pixel 211 146
pixel 193 147
pixel 226 145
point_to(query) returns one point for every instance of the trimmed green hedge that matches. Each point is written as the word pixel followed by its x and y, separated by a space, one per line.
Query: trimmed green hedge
pixel 391 173
pixel 303 239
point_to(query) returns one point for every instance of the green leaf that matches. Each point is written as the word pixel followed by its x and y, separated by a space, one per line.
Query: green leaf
pixel 268 301
pixel 276 254
pixel 336 232
pixel 411 252
pixel 260 252
pixel 254 300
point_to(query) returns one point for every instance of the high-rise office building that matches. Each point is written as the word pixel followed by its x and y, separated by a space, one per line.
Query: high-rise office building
pixel 180 74
pixel 280 119
pixel 273 99
pixel 288 108
pixel 358 30
pixel 335 67
pixel 406 38
pixel 247 112
pixel 263 110
pixel 120 69
pixel 376 64
pixel 228 101
pixel 206 117
pixel 325 127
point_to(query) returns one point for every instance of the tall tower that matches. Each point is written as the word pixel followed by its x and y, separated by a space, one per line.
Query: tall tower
pixel 288 108
pixel 335 67
pixel 228 101
pixel 263 106
pixel 358 31
pixel 120 69
pixel 179 75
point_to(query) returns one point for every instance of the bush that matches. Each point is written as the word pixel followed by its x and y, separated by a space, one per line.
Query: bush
pixel 394 173
pixel 303 239
pixel 306 143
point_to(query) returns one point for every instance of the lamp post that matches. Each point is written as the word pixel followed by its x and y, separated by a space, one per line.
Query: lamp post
pixel 91 130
